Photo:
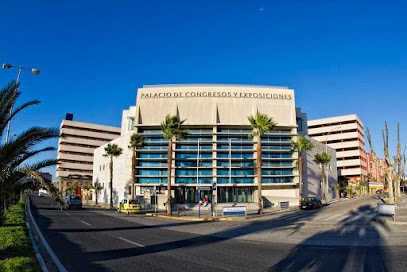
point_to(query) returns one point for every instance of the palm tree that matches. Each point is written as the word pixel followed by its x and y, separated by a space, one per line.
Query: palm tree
pixel 172 130
pixel 111 151
pixel 136 141
pixel 97 187
pixel 260 124
pixel 301 145
pixel 323 159
pixel 19 150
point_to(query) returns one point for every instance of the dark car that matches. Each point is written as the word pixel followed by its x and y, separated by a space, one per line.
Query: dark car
pixel 73 201
pixel 380 191
pixel 311 203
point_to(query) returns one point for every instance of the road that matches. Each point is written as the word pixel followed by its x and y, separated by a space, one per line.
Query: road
pixel 340 237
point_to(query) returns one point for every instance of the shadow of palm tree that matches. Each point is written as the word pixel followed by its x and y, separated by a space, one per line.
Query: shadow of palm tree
pixel 355 245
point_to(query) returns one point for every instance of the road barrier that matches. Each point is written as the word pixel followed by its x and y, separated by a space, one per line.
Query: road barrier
pixel 284 205
pixel 386 209
pixel 235 210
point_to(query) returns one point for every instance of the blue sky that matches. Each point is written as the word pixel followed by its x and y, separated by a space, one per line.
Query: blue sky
pixel 341 56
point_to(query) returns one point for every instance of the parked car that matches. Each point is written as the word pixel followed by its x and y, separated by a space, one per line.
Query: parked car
pixel 311 203
pixel 73 201
pixel 129 206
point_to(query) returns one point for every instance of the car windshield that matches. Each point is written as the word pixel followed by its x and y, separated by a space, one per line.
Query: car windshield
pixel 75 197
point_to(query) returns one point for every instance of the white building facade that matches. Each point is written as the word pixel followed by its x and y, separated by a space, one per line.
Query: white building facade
pixel 216 158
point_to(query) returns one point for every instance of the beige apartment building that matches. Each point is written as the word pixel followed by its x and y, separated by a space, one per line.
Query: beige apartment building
pixel 345 134
pixel 76 146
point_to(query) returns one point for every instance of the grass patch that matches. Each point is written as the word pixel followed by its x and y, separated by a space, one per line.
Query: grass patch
pixel 16 251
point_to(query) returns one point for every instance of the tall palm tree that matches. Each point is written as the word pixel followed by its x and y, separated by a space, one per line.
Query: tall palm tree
pixel 323 159
pixel 301 145
pixel 111 151
pixel 16 154
pixel 260 123
pixel 172 130
pixel 136 141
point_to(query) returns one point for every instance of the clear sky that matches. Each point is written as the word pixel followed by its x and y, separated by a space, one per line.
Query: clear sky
pixel 340 56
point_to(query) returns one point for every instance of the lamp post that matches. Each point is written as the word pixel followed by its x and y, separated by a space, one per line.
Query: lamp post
pixel 197 180
pixel 20 68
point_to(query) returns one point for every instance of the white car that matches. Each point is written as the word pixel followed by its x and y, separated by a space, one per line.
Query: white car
pixel 42 192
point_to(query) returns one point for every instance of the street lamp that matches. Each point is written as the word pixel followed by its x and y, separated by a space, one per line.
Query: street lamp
pixel 197 178
pixel 20 68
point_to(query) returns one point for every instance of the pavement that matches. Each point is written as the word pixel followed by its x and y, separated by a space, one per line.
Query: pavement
pixel 205 213
pixel 400 217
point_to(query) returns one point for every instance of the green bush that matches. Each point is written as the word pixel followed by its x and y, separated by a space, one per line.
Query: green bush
pixel 16 251
pixel 24 264
pixel 15 215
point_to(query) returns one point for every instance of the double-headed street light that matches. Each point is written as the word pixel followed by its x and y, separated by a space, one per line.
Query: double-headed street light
pixel 20 68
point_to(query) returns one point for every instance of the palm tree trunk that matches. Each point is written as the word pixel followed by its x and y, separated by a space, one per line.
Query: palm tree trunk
pixel 300 176
pixel 323 184
pixel 111 182
pixel 259 176
pixel 169 160
pixel 133 173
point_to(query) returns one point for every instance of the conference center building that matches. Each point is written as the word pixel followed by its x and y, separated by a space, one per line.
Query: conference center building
pixel 216 157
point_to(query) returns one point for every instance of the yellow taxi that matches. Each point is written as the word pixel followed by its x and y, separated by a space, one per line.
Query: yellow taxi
pixel 129 206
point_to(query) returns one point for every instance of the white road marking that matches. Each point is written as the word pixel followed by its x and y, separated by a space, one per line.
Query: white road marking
pixel 130 242
pixel 86 223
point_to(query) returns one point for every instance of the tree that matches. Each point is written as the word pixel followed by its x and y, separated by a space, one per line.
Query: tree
pixel 391 165
pixel 136 142
pixel 338 188
pixel 399 173
pixel 172 130
pixel 323 159
pixel 301 145
pixel 260 124
pixel 97 187
pixel 111 151
pixel 16 154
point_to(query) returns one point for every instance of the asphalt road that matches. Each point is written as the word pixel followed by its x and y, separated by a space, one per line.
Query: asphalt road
pixel 340 237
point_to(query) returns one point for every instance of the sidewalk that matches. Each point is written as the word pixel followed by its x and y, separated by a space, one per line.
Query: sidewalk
pixel 205 213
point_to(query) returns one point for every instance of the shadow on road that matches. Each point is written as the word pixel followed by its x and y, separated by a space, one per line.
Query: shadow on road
pixel 356 239
pixel 357 234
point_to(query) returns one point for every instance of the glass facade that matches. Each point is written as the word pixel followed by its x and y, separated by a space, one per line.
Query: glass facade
pixel 218 155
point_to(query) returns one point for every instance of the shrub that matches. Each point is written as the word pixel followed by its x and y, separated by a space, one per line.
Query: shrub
pixel 16 251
